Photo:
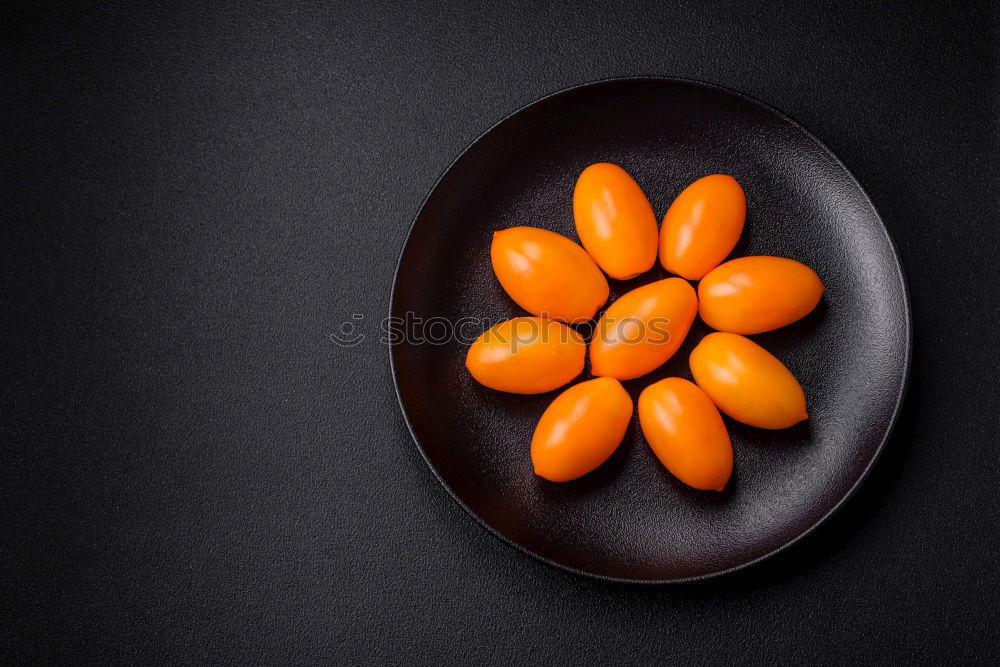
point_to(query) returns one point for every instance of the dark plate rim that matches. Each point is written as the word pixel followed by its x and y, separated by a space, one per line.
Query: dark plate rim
pixel 847 495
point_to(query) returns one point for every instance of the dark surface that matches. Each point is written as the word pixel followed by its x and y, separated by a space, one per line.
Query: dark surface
pixel 195 198
pixel 630 520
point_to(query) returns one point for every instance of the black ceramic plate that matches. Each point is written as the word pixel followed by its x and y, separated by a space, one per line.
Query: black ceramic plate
pixel 630 519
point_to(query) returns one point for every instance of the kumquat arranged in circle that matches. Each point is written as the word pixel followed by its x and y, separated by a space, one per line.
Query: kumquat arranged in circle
pixel 563 285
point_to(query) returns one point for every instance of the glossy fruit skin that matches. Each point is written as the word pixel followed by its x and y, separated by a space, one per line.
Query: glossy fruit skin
pixel 702 226
pixel 747 382
pixel 752 295
pixel 642 329
pixel 687 434
pixel 526 355
pixel 580 429
pixel 615 221
pixel 547 274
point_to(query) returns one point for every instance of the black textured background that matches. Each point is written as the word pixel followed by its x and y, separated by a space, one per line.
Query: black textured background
pixel 194 198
